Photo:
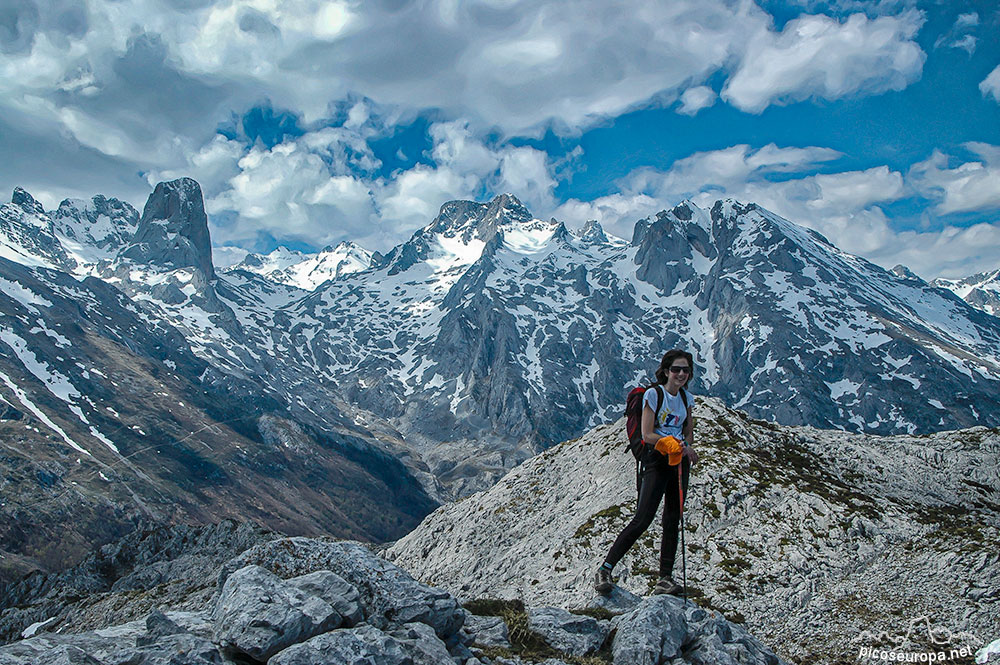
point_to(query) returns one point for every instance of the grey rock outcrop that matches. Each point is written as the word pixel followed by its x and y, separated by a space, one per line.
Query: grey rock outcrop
pixel 258 614
pixel 362 645
pixel 257 617
pixel 390 597
pixel 173 230
pixel 567 632
pixel 487 631
pixel 175 563
pixel 653 633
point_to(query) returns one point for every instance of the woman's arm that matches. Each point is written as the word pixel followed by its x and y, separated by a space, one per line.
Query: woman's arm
pixel 648 423
pixel 688 432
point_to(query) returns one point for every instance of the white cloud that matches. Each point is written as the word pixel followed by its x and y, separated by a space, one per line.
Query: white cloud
pixel 965 21
pixel 572 61
pixel 527 173
pixel 326 185
pixel 720 171
pixel 820 57
pixel 696 99
pixel 990 86
pixel 291 193
pixel 414 197
pixel 968 187
pixel 953 252
pixel 958 36
pixel 844 206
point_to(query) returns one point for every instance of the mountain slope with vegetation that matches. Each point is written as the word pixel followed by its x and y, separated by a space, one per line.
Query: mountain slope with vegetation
pixel 809 536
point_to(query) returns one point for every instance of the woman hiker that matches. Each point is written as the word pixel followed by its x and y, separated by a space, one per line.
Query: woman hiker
pixel 658 471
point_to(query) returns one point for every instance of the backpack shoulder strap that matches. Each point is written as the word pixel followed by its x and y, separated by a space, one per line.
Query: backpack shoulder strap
pixel 659 401
pixel 687 409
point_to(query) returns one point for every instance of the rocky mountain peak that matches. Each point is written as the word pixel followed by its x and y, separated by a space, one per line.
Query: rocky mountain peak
pixel 901 271
pixel 101 222
pixel 26 202
pixel 593 232
pixel 981 290
pixel 173 230
pixel 479 220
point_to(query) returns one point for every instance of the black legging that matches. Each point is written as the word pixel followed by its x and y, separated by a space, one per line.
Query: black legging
pixel 658 480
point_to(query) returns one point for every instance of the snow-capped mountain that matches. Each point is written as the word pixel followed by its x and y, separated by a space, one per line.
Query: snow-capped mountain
pixel 981 290
pixel 76 237
pixel 306 271
pixel 489 320
pixel 486 337
pixel 140 397
pixel 809 536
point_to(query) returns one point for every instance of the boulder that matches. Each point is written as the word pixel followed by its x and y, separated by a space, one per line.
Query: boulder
pixel 335 590
pixel 487 631
pixel 619 601
pixel 422 644
pixel 258 614
pixel 652 633
pixel 567 632
pixel 361 645
pixel 389 596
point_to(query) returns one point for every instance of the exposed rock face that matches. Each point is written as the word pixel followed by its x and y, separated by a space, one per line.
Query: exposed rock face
pixel 256 616
pixel 173 230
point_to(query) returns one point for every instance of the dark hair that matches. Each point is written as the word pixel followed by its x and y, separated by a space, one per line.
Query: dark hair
pixel 668 359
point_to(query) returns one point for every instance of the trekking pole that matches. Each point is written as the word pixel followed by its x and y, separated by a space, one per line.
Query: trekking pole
pixel 680 489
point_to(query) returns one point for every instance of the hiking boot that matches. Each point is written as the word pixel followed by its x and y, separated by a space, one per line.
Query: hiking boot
pixel 667 585
pixel 602 581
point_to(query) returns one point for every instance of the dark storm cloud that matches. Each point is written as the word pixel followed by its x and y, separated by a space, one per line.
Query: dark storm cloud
pixel 60 167
pixel 19 21
pixel 256 22
pixel 144 93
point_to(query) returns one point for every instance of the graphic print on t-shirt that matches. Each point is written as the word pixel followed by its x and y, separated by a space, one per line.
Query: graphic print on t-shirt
pixel 668 418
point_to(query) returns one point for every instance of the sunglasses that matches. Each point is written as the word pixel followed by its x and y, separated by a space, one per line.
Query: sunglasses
pixel 677 369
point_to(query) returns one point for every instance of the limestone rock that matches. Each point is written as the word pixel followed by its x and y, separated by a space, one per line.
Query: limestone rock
pixel 567 632
pixel 258 614
pixel 389 595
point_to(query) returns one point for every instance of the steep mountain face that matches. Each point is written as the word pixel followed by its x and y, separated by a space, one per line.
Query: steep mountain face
pixel 981 290
pixel 118 408
pixel 173 230
pixel 810 536
pixel 306 271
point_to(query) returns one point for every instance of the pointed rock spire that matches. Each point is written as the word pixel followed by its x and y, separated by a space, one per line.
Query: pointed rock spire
pixel 26 202
pixel 173 231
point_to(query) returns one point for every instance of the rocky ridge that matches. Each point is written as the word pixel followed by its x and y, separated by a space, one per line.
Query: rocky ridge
pixel 809 537
pixel 981 290
pixel 303 601
pixel 306 271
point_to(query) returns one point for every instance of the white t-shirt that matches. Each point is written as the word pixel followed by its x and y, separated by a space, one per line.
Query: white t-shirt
pixel 670 419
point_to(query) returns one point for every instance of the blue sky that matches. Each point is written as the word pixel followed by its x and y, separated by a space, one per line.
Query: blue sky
pixel 308 122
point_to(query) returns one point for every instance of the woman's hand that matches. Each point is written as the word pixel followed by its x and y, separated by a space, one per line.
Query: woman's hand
pixel 690 453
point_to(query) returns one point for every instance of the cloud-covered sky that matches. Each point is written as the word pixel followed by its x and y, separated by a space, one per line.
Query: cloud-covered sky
pixel 309 122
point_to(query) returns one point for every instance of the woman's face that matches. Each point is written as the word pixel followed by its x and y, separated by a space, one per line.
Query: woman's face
pixel 678 373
